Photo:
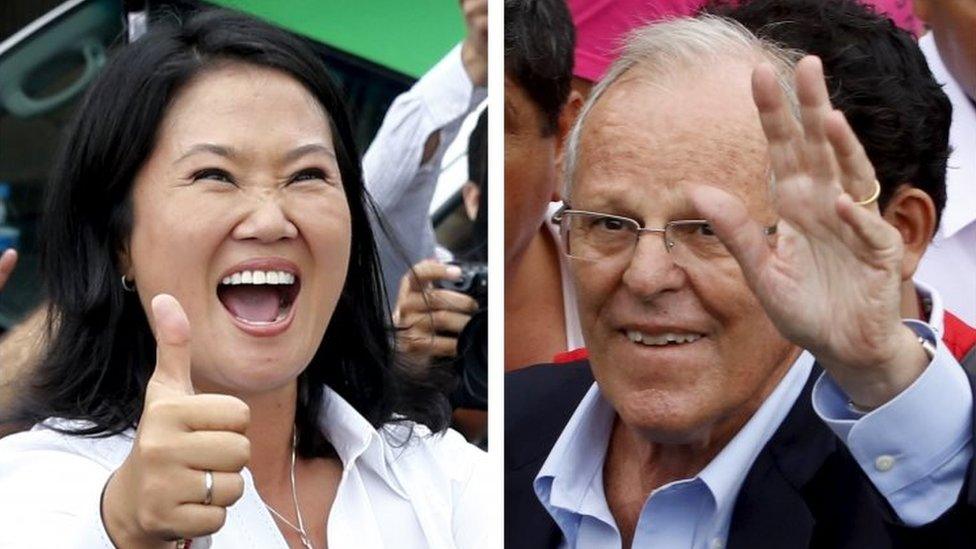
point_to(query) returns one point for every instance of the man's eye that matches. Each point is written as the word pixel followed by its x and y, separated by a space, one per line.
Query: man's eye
pixel 609 224
pixel 213 174
pixel 310 174
pixel 705 230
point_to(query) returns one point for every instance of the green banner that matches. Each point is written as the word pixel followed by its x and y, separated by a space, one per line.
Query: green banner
pixel 407 36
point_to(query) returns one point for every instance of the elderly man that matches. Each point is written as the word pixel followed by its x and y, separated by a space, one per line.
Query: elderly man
pixel 733 276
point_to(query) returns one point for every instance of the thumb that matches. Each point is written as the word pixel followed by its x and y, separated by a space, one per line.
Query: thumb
pixel 172 331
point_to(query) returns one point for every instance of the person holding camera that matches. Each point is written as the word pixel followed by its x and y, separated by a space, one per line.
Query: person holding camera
pixel 441 312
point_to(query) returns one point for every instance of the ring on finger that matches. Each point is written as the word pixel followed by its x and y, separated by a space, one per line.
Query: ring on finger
pixel 208 482
pixel 874 196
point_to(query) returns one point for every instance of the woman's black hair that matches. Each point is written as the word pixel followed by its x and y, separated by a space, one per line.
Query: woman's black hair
pixel 101 351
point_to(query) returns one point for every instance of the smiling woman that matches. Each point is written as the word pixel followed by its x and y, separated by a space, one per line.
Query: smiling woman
pixel 208 217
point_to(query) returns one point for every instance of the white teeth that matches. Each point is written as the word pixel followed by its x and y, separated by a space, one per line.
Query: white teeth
pixel 259 277
pixel 661 339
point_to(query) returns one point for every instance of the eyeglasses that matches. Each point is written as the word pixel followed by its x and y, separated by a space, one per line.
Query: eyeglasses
pixel 594 236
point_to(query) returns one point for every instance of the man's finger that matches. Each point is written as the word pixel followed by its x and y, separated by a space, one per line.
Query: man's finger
pixel 870 227
pixel 427 345
pixel 428 271
pixel 7 263
pixel 436 322
pixel 780 127
pixel 449 321
pixel 172 332
pixel 730 220
pixel 811 90
pixel 443 346
pixel 437 300
pixel 857 172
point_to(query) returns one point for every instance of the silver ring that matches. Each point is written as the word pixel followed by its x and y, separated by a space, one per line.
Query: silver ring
pixel 208 481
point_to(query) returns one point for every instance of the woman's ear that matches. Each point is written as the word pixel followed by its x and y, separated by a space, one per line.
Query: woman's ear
pixel 912 212
pixel 125 262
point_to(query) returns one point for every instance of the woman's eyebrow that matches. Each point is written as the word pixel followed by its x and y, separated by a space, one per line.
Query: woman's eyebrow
pixel 232 154
pixel 213 148
pixel 299 152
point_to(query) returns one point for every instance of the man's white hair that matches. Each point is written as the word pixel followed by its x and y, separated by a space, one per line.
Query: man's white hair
pixel 670 48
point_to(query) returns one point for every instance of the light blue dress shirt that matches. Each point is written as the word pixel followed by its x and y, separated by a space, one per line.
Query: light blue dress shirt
pixel 915 453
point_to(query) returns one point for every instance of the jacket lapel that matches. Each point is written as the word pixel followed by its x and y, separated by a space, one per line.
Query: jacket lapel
pixel 771 510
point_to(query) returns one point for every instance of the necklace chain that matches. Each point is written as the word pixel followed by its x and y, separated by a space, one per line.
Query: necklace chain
pixel 300 529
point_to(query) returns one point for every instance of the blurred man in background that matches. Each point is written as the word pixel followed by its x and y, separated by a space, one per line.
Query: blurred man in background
pixel 950 47
pixel 540 107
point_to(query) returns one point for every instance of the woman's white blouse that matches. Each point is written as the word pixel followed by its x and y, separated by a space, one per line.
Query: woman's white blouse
pixel 431 491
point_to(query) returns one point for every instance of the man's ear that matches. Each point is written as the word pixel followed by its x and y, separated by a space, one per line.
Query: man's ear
pixel 471 196
pixel 912 212
pixel 566 120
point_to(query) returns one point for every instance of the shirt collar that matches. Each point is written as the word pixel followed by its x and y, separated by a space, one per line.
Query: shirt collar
pixel 960 208
pixel 727 471
pixel 355 440
pixel 570 483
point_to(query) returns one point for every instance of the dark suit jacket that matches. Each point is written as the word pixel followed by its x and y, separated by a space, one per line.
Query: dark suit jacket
pixel 803 490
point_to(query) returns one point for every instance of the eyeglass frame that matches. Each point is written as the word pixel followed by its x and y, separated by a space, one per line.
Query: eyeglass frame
pixel 558 217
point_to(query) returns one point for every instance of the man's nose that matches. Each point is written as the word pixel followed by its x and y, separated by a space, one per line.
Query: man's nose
pixel 266 220
pixel 652 269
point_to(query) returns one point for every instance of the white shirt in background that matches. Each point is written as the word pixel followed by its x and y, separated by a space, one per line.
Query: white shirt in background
pixel 949 264
pixel 400 185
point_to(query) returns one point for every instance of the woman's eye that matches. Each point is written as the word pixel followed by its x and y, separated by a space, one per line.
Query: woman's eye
pixel 213 174
pixel 310 174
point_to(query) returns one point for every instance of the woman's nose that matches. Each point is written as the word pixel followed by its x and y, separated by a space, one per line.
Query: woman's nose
pixel 266 221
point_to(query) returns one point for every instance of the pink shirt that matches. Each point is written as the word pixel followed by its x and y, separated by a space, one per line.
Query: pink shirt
pixel 601 25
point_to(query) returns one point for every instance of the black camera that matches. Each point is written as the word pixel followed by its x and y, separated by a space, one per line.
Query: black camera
pixel 473 281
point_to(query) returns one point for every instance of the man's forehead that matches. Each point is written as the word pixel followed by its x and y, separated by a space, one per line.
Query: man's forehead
pixel 643 121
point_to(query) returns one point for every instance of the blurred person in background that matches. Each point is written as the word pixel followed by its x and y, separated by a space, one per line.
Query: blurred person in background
pixel 403 162
pixel 540 310
pixel 219 364
pixel 436 326
pixel 423 280
pixel 602 25
pixel 950 47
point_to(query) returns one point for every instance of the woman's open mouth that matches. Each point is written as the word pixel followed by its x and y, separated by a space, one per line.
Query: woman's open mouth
pixel 260 301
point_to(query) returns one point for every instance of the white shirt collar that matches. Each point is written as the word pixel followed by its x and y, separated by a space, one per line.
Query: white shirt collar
pixel 960 209
pixel 354 439
pixel 570 482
